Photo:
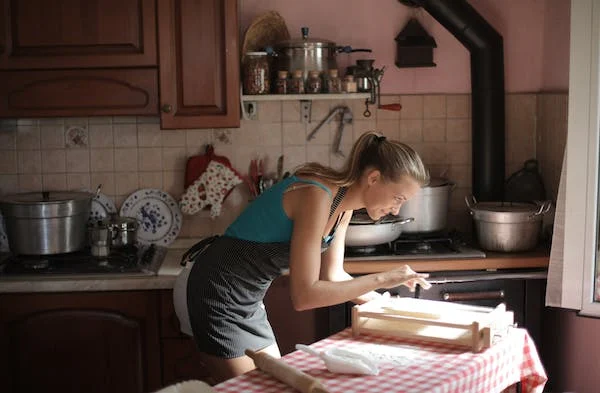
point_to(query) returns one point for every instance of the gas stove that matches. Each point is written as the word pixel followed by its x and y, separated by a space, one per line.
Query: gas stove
pixel 421 246
pixel 126 261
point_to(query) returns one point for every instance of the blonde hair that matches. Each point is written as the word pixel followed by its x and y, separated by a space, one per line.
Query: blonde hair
pixel 372 150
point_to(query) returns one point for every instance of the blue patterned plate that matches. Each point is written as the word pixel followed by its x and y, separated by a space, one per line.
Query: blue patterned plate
pixel 102 206
pixel 157 213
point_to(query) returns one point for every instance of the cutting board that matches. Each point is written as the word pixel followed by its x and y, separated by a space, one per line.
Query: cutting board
pixel 472 327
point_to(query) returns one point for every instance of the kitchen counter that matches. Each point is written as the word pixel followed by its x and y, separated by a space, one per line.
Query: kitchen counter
pixel 170 268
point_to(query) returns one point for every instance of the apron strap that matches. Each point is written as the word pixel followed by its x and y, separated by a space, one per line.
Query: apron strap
pixel 197 249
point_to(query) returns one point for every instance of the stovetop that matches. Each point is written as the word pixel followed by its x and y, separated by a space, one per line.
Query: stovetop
pixel 127 261
pixel 418 246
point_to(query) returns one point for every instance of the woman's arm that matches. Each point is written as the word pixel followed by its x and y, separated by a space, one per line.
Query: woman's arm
pixel 309 210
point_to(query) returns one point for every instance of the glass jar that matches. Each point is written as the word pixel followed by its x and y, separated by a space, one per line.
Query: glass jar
pixel 334 83
pixel 349 85
pixel 281 84
pixel 256 73
pixel 313 83
pixel 296 85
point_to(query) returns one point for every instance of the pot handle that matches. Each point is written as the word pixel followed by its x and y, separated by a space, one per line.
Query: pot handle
pixel 473 201
pixel 544 207
pixel 348 49
pixel 405 220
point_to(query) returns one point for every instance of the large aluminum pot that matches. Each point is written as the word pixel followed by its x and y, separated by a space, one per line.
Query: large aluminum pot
pixel 429 207
pixel 308 54
pixel 362 231
pixel 507 226
pixel 41 223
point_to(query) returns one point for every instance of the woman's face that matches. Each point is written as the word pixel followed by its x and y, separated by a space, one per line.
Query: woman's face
pixel 382 197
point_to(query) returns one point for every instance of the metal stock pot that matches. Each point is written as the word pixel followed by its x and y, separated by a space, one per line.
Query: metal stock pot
pixel 507 226
pixel 363 231
pixel 429 207
pixel 49 222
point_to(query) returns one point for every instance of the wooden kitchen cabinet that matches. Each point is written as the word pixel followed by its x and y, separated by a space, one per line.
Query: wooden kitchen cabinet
pixel 199 63
pixel 293 327
pixel 121 57
pixel 80 342
pixel 78 58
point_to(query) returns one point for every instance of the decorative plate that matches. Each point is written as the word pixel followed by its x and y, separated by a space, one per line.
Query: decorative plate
pixel 3 237
pixel 158 215
pixel 102 206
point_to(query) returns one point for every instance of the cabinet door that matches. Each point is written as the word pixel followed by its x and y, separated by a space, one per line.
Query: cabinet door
pixel 293 327
pixel 78 93
pixel 199 63
pixel 42 34
pixel 79 342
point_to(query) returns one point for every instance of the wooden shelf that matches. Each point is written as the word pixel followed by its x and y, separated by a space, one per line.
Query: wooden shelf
pixel 305 97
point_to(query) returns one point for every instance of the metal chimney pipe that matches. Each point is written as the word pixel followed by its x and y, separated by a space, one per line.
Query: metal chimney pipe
pixel 485 45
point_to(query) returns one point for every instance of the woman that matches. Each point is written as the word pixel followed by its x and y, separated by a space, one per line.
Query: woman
pixel 299 223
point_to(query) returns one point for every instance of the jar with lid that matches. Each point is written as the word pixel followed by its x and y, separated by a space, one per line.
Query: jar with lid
pixel 256 73
pixel 349 85
pixel 314 83
pixel 296 85
pixel 281 84
pixel 334 83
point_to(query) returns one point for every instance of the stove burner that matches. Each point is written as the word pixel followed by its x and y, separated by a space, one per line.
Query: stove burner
pixel 130 260
pixel 36 264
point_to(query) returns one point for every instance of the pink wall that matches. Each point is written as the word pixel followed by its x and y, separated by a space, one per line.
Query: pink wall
pixel 536 49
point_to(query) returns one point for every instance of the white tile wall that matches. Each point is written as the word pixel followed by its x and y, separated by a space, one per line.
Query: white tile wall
pixel 127 153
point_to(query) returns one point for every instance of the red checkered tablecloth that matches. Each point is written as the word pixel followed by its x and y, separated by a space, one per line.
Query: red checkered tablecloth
pixel 411 366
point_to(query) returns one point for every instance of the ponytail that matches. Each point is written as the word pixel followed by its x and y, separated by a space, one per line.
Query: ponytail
pixel 392 158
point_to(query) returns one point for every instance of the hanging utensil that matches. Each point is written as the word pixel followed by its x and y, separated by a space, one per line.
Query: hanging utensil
pixel 346 119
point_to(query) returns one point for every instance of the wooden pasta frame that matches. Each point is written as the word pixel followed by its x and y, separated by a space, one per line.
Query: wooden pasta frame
pixel 472 327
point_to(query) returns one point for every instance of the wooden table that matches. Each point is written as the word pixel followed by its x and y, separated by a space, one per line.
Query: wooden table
pixel 413 366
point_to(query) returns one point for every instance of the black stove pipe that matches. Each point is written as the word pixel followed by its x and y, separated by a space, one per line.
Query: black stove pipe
pixel 487 90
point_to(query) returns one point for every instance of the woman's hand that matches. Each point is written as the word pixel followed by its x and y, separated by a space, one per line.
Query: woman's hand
pixel 405 276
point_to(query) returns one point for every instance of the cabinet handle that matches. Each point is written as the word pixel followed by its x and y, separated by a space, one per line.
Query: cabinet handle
pixel 461 296
pixel 166 108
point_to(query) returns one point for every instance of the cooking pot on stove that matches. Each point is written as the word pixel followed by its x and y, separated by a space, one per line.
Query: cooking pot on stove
pixel 507 226
pixel 363 231
pixel 308 54
pixel 122 230
pixel 49 222
pixel 429 207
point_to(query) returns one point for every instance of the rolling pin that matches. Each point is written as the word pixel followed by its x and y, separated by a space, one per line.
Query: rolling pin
pixel 286 373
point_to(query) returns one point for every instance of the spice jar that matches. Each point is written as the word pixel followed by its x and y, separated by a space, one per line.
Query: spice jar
pixel 314 83
pixel 256 73
pixel 281 84
pixel 334 83
pixel 296 85
pixel 349 85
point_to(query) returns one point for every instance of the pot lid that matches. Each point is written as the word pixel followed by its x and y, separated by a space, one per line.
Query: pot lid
pixel 47 197
pixel 123 223
pixel 305 42
pixel 508 212
pixel 506 207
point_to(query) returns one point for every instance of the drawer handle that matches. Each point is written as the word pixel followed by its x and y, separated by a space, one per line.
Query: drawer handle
pixel 166 108
pixel 461 296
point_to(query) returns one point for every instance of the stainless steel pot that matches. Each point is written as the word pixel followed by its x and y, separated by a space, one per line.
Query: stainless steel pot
pixel 123 230
pixel 507 226
pixel 308 54
pixel 41 223
pixel 429 207
pixel 362 231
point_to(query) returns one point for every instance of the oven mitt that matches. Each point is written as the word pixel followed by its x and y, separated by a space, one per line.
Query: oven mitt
pixel 343 361
pixel 211 188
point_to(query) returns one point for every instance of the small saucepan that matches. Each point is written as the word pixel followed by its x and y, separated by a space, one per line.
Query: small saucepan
pixel 123 230
pixel 363 231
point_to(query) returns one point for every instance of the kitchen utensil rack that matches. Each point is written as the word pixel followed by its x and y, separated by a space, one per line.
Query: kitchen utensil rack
pixel 250 107
pixel 471 327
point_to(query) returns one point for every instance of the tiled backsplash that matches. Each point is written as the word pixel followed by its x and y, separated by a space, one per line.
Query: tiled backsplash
pixel 127 153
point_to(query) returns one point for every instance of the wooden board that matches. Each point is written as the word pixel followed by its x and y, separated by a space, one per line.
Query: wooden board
pixel 430 320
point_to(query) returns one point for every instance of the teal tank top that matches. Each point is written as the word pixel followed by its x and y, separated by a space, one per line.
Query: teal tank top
pixel 264 220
